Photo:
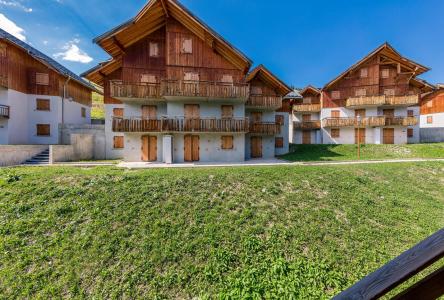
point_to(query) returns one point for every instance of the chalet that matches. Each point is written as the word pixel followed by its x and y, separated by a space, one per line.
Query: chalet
pixel 432 116
pixel 306 117
pixel 378 97
pixel 176 91
pixel 37 94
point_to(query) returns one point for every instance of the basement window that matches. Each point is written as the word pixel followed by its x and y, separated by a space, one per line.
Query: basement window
pixel 187 46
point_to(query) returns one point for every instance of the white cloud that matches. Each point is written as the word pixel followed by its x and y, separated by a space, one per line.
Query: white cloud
pixel 72 52
pixel 15 4
pixel 9 26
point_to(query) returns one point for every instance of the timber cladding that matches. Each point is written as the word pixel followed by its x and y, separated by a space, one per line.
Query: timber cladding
pixel 433 103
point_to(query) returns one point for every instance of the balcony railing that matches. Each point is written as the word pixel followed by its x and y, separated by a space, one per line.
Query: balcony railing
pixel 307 125
pixel 375 121
pixel 382 100
pixel 135 91
pixel 265 128
pixel 264 102
pixel 4 111
pixel 205 89
pixel 180 124
pixel 307 108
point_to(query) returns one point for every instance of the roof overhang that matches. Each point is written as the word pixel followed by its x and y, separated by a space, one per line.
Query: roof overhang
pixel 266 76
pixel 311 89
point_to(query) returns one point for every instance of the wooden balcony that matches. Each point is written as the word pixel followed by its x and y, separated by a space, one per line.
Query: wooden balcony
pixel 131 92
pixel 264 102
pixel 179 89
pixel 307 108
pixel 4 111
pixel 265 128
pixel 376 121
pixel 180 124
pixel 382 100
pixel 307 125
pixel 401 121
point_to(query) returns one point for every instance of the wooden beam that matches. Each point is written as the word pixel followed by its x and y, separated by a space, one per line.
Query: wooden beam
pixel 430 288
pixel 164 6
pixel 118 44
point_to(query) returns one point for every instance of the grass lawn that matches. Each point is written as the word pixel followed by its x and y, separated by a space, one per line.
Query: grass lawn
pixel 349 152
pixel 226 233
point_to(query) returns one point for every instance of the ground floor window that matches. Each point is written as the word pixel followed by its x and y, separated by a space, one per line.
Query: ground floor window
pixel 83 112
pixel 409 132
pixel 118 142
pixel 227 142
pixel 335 132
pixel 279 142
pixel 429 120
pixel 43 130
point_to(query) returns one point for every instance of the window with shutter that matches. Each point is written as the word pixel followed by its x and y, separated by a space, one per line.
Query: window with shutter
pixel 429 104
pixel 335 113
pixel 279 142
pixel 43 130
pixel 360 92
pixel 118 112
pixel 409 132
pixel 227 79
pixel 429 120
pixel 187 46
pixel 256 90
pixel 42 78
pixel 336 94
pixel 335 132
pixel 385 73
pixel 154 49
pixel 306 100
pixel 279 119
pixel 147 78
pixel 191 76
pixel 83 112
pixel 118 142
pixel 43 104
pixel 389 92
pixel 364 73
pixel 227 111
pixel 410 113
pixel 227 142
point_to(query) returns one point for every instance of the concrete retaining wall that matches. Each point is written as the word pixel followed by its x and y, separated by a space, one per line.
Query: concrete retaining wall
pixel 81 148
pixel 97 132
pixel 11 155
pixel 432 135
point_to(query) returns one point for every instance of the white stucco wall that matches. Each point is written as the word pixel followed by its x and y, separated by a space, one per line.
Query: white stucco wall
pixel 438 121
pixel 110 152
pixel 285 133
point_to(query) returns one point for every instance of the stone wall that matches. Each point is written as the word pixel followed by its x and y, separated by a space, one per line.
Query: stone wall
pixel 11 155
pixel 97 132
pixel 81 148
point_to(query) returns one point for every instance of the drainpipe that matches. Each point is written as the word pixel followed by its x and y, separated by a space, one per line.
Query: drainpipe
pixel 63 105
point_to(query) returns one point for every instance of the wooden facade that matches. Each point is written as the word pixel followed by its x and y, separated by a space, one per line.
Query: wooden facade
pixel 433 103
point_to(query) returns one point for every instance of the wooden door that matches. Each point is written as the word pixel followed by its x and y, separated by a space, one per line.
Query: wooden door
pixel 388 135
pixel 256 116
pixel 306 137
pixel 192 117
pixel 149 148
pixel 361 135
pixel 191 148
pixel 389 113
pixel 149 112
pixel 306 118
pixel 256 147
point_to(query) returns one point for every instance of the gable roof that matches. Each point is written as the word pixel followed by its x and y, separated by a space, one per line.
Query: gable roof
pixel 310 88
pixel 46 60
pixel 294 94
pixel 153 16
pixel 387 50
pixel 268 77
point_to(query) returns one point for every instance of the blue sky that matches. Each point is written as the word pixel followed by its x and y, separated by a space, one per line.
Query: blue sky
pixel 303 42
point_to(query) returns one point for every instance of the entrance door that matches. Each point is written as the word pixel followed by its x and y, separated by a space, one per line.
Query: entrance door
pixel 306 137
pixel 256 147
pixel 149 148
pixel 388 135
pixel 192 116
pixel 361 135
pixel 191 148
pixel 256 116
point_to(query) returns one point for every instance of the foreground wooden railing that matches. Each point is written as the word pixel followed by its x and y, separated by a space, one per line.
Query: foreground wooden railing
pixel 307 125
pixel 261 101
pixel 402 268
pixel 370 121
pixel 265 128
pixel 382 100
pixel 4 111
pixel 207 89
pixel 307 108
pixel 180 125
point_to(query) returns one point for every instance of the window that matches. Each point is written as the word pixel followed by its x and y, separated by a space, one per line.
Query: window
pixel 227 111
pixel 3 49
pixel 389 92
pixel 227 142
pixel 429 120
pixel 191 76
pixel 43 130
pixel 256 90
pixel 154 49
pixel 279 142
pixel 187 46
pixel 410 113
pixel 43 104
pixel 385 73
pixel 335 132
pixel 336 94
pixel 364 73
pixel 147 78
pixel 42 78
pixel 279 119
pixel 409 132
pixel 227 79
pixel 118 112
pixel 335 113
pixel 83 112
pixel 306 100
pixel 429 104
pixel 118 142
pixel 360 92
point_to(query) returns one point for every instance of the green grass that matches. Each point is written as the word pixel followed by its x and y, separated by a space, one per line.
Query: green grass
pixel 226 233
pixel 98 110
pixel 368 152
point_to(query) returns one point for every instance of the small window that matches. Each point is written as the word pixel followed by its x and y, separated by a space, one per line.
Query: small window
pixel 385 73
pixel 364 73
pixel 409 132
pixel 335 132
pixel 191 76
pixel 410 113
pixel 360 92
pixel 256 90
pixel 429 120
pixel 154 49
pixel 83 112
pixel 42 78
pixel 227 142
pixel 279 142
pixel 187 46
pixel 335 113
pixel 147 78
pixel 279 119
pixel 227 79
pixel 389 92
pixel 43 130
pixel 118 112
pixel 43 104
pixel 429 104
pixel 118 142
pixel 306 100
pixel 227 111
pixel 336 94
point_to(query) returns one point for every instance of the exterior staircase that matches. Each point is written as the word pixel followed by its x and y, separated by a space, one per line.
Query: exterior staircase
pixel 39 159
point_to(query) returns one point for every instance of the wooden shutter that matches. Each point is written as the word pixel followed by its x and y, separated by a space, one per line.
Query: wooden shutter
pixel 154 49
pixel 385 73
pixel 118 142
pixel 335 113
pixel 389 113
pixel 364 73
pixel 256 117
pixel 192 111
pixel 83 112
pixel 42 78
pixel 187 45
pixel 227 142
pixel 256 90
pixel 335 132
pixel 409 132
pixel 227 111
pixel 429 120
pixel 43 104
pixel 360 92
pixel 43 130
pixel 279 142
pixel 361 135
pixel 279 119
pixel 118 112
pixel 149 112
pixel 227 78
